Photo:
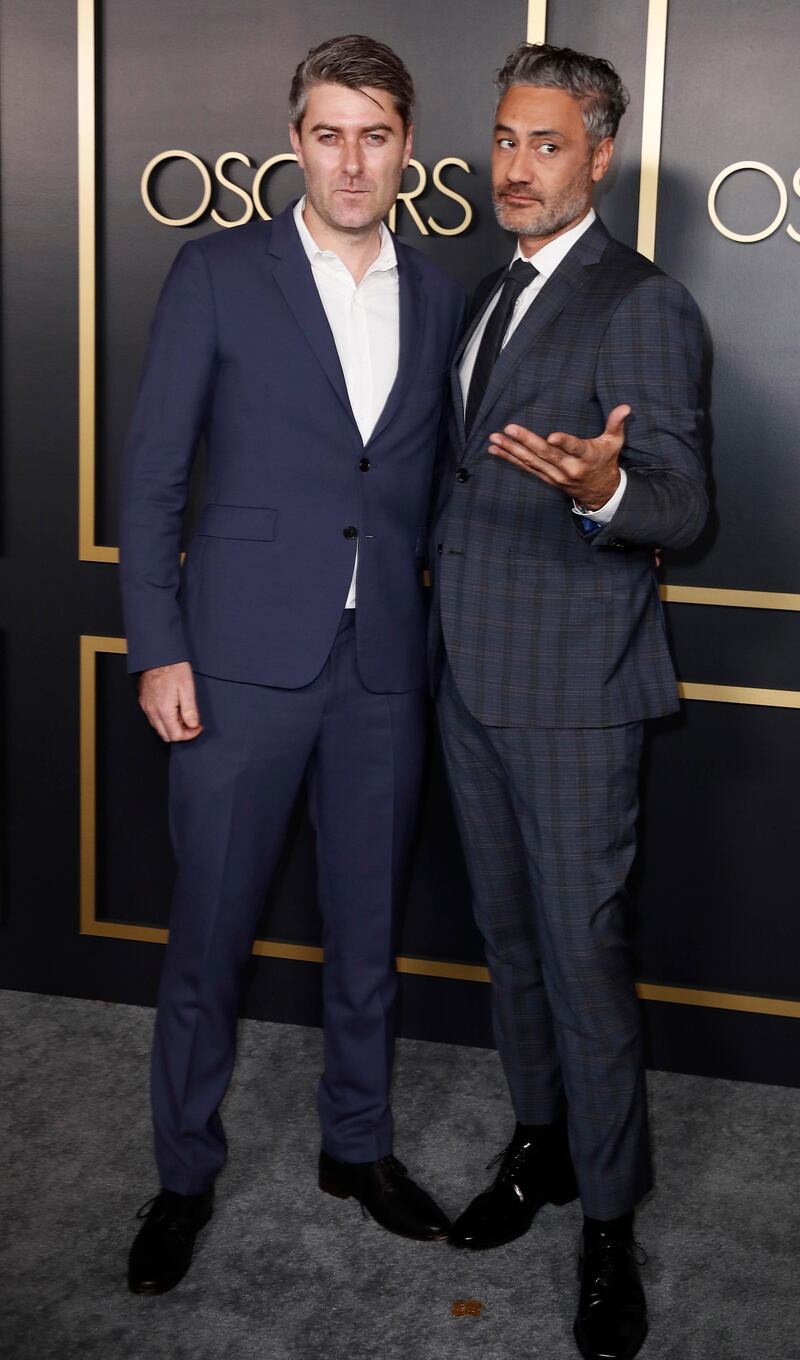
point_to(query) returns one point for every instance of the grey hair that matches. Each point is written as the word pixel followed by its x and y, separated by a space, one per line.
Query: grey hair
pixel 592 80
pixel 355 62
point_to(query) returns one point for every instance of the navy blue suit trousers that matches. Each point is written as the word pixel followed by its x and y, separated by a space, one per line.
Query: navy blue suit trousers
pixel 232 790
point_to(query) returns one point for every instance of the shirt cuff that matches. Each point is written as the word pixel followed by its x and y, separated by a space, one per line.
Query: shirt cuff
pixel 604 513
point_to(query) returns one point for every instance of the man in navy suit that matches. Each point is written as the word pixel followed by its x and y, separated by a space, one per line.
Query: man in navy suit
pixel 311 353
pixel 576 452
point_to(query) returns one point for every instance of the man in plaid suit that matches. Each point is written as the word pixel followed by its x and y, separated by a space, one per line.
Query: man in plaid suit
pixel 575 441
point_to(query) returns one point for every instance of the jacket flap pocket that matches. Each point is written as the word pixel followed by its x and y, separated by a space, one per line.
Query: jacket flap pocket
pixel 238 521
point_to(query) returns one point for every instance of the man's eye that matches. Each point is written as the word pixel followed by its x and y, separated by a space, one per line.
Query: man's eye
pixel 327 137
pixel 548 148
pixel 376 139
pixel 506 143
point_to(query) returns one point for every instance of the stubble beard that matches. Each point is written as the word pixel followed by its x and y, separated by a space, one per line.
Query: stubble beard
pixel 375 208
pixel 553 217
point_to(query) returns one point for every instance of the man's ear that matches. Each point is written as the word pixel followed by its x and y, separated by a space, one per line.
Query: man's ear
pixel 601 158
pixel 294 138
pixel 409 145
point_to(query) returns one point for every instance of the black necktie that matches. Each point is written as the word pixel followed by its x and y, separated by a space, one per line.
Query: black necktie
pixel 518 277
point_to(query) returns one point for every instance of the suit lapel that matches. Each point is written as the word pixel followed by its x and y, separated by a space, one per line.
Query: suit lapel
pixel 412 322
pixel 570 276
pixel 483 293
pixel 293 275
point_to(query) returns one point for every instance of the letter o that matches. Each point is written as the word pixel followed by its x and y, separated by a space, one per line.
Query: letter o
pixel 795 235
pixel 731 170
pixel 145 188
pixel 260 175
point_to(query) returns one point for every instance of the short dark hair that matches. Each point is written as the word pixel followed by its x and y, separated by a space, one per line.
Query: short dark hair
pixel 592 80
pixel 355 62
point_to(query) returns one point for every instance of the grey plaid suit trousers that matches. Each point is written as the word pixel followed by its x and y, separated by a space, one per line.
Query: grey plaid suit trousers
pixel 547 818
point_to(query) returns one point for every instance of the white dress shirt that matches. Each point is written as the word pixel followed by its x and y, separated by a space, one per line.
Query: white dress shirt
pixel 546 261
pixel 365 321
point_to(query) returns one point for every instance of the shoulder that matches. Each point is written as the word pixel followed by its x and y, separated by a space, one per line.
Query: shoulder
pixel 227 245
pixel 436 281
pixel 639 280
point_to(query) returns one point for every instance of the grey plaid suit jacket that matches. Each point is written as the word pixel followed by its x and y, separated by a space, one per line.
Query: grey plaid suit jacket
pixel 543 624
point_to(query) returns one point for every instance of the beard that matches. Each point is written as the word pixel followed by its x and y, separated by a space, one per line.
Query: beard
pixel 358 215
pixel 553 214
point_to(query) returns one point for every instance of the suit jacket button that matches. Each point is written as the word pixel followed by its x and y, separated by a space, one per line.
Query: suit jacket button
pixel 351 531
pixel 462 475
pixel 364 465
pixel 440 548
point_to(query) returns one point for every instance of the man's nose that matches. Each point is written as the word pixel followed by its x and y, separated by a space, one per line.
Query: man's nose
pixel 353 158
pixel 520 169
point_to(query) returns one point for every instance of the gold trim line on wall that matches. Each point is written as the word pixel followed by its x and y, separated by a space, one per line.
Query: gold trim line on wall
pixel 88 550
pixel 91 646
pixel 473 972
pixel 537 21
pixel 652 119
pixel 731 599
pixel 740 694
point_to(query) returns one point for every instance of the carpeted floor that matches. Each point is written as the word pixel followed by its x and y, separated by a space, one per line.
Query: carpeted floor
pixel 286 1273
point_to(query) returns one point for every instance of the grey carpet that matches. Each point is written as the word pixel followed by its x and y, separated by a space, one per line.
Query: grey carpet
pixel 286 1273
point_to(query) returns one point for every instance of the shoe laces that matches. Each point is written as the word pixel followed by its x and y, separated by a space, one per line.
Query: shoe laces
pixel 605 1248
pixel 171 1222
pixel 394 1164
pixel 511 1159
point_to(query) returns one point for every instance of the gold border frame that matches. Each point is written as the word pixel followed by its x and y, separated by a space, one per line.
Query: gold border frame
pixel 91 646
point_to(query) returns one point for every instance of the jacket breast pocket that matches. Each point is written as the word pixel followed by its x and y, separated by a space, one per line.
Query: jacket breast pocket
pixel 257 522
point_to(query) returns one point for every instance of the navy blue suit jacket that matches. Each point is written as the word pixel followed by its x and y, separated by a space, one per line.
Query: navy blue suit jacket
pixel 241 352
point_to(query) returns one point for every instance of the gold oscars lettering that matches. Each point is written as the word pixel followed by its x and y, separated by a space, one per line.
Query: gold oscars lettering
pixel 255 199
pixel 783 202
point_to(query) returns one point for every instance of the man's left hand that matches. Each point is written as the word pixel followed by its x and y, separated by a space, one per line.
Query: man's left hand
pixel 586 469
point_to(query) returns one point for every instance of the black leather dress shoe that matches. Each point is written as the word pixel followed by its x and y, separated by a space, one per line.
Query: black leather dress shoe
pixel 385 1190
pixel 611 1323
pixel 535 1169
pixel 162 1249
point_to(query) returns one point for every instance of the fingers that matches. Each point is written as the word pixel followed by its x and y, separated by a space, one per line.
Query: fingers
pixel 569 444
pixel 615 425
pixel 581 448
pixel 187 705
pixel 528 451
pixel 167 697
pixel 519 441
pixel 529 462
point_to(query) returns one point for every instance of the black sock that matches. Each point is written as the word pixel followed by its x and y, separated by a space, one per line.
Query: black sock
pixel 545 1135
pixel 620 1229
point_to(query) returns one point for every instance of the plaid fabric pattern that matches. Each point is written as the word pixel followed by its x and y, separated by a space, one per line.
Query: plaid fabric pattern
pixel 543 625
pixel 547 820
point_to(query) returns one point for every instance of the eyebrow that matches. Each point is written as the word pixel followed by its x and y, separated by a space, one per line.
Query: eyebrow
pixel 534 132
pixel 331 127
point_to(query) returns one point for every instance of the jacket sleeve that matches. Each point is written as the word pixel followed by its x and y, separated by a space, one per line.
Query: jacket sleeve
pixel 171 405
pixel 651 359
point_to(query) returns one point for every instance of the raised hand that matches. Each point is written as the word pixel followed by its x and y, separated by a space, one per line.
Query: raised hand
pixel 586 469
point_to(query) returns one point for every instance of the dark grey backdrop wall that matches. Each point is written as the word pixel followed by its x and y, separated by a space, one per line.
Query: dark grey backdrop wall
pixel 86 866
